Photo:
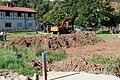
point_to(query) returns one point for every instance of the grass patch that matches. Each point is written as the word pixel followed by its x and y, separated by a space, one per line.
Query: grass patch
pixel 103 60
pixel 56 56
pixel 17 59
pixel 107 36
pixel 9 59
pixel 15 35
pixel 112 64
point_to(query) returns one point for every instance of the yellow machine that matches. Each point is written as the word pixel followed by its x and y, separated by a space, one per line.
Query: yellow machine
pixel 61 26
pixel 54 29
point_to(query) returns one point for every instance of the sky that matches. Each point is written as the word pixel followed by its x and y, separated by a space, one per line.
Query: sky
pixel 9 0
pixel 5 0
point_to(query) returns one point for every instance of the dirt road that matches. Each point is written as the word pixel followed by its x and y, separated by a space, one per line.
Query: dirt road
pixel 111 48
pixel 78 60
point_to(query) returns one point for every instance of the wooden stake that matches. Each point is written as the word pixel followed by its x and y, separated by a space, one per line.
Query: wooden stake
pixel 44 66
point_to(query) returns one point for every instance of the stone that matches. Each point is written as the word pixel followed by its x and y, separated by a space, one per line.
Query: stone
pixel 2 78
pixel 22 77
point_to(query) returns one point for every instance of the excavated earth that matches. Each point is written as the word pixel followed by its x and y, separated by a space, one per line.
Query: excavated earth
pixel 55 42
pixel 77 64
pixel 79 45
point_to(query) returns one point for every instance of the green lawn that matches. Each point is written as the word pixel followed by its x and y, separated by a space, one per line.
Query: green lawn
pixel 15 35
pixel 107 36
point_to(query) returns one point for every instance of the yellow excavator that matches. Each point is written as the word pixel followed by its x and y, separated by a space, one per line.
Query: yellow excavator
pixel 60 28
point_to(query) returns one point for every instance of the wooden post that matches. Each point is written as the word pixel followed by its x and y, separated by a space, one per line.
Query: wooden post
pixel 44 65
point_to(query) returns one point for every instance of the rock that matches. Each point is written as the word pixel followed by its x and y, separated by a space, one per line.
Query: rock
pixel 2 78
pixel 22 77
pixel 16 78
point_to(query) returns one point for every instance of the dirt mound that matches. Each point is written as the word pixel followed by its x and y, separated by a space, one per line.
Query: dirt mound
pixel 61 41
pixel 77 65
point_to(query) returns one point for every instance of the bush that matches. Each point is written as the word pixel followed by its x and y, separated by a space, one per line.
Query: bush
pixel 10 60
pixel 17 58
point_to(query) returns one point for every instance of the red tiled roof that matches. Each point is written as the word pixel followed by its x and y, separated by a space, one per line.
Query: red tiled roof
pixel 21 9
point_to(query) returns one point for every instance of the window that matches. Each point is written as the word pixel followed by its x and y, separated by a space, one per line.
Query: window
pixel 19 25
pixel 7 24
pixel 29 15
pixel 19 14
pixel 30 24
pixel 7 13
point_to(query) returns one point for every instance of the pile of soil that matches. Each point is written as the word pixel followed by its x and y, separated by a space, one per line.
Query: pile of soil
pixel 59 41
pixel 11 75
pixel 77 65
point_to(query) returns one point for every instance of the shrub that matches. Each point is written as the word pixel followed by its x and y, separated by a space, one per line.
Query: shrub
pixel 17 58
pixel 10 60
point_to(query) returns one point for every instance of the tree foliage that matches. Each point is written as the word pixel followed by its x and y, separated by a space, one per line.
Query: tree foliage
pixel 90 13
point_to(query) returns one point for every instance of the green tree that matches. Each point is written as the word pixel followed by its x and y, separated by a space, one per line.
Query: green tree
pixel 70 7
pixel 56 14
pixel 42 9
pixel 60 11
pixel 4 3
pixel 91 13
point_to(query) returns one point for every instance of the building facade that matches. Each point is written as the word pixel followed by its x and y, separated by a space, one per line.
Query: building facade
pixel 17 18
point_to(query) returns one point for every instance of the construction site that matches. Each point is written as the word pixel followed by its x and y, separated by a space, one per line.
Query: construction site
pixel 60 40
pixel 85 52
pixel 67 50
